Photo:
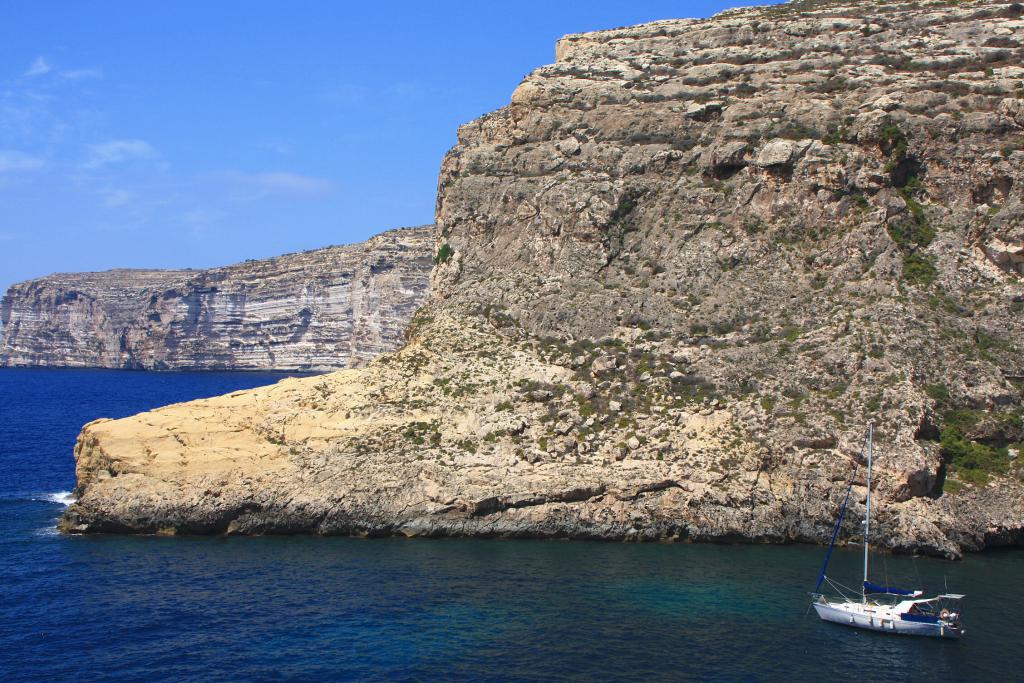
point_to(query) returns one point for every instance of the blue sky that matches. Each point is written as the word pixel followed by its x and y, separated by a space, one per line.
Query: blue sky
pixel 194 134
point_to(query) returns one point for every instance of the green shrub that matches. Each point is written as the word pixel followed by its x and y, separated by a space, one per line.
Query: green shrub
pixel 1011 420
pixel 415 432
pixel 986 343
pixel 937 392
pixel 961 420
pixel 918 269
pixel 971 455
pixel 791 334
pixel 973 462
pixel 444 253
pixel 975 477
pixel 834 136
pixel 894 143
pixel 586 407
pixel 952 486
pixel 914 233
pixel 723 327
pixel 838 389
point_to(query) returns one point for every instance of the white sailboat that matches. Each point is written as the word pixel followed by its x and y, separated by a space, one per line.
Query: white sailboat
pixel 883 608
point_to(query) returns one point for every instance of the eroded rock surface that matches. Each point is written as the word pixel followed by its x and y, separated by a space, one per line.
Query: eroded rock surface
pixel 316 310
pixel 676 277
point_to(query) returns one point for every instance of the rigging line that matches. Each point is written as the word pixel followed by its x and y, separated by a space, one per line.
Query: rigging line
pixel 839 524
pixel 917 571
pixel 839 588
pixel 885 569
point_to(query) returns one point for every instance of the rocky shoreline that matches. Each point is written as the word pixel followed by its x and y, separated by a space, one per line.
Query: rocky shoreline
pixel 675 278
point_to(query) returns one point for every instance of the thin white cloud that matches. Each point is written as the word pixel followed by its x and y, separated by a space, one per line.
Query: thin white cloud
pixel 201 217
pixel 202 222
pixel 39 67
pixel 13 161
pixel 7 236
pixel 116 198
pixel 282 148
pixel 408 90
pixel 348 94
pixel 293 184
pixel 117 151
pixel 252 186
pixel 355 94
pixel 80 74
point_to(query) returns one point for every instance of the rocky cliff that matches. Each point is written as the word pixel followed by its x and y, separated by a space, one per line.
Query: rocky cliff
pixel 316 310
pixel 677 276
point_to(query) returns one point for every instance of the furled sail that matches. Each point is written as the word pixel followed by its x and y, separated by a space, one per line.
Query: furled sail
pixel 891 590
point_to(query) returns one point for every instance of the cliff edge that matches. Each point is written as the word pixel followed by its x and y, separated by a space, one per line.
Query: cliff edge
pixel 316 310
pixel 676 277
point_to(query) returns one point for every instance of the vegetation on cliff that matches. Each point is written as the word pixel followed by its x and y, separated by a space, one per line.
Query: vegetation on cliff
pixel 673 281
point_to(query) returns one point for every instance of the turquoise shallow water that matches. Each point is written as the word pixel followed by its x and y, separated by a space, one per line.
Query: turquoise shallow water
pixel 140 608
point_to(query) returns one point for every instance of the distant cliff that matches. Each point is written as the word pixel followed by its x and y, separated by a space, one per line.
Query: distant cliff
pixel 322 309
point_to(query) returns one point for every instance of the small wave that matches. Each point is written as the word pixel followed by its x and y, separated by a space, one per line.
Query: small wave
pixel 64 498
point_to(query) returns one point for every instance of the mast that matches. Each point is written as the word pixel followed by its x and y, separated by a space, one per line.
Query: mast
pixel 867 515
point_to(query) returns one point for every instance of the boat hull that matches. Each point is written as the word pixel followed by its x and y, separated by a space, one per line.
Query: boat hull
pixel 885 623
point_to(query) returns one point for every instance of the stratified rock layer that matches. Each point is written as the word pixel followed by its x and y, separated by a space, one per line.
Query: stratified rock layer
pixel 316 310
pixel 677 277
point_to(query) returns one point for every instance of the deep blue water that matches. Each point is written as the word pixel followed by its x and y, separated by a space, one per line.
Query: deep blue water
pixel 238 609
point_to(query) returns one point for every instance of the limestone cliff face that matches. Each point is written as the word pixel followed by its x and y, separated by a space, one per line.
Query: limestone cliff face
pixel 323 309
pixel 676 277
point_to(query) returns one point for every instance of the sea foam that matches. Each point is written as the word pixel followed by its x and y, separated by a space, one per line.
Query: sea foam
pixel 64 498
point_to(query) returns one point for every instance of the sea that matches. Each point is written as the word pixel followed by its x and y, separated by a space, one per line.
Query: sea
pixel 137 608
